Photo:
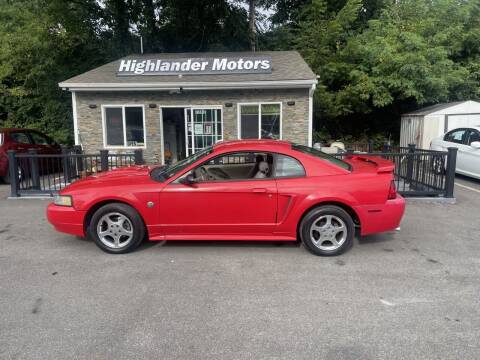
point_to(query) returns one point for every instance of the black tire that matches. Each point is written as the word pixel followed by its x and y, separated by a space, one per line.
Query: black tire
pixel 315 217
pixel 438 165
pixel 135 226
pixel 6 179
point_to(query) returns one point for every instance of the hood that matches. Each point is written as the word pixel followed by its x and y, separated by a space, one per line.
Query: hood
pixel 120 176
pixel 138 170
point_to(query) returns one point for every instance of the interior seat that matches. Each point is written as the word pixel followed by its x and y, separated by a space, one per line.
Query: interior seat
pixel 263 170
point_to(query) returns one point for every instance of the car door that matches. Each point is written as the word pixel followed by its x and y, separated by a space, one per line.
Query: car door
pixel 236 206
pixel 456 138
pixel 470 155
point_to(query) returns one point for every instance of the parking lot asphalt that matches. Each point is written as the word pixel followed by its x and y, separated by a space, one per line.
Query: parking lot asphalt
pixel 412 294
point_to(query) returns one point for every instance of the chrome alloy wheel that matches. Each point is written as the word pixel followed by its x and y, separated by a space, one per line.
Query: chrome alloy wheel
pixel 328 232
pixel 115 230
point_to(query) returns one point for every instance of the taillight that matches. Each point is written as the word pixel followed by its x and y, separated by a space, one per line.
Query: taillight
pixel 392 192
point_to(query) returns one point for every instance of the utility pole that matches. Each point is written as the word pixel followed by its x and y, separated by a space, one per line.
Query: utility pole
pixel 252 29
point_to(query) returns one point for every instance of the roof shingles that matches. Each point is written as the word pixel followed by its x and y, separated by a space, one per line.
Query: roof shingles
pixel 286 65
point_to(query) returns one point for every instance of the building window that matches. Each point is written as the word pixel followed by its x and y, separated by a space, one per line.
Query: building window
pixel 124 126
pixel 260 121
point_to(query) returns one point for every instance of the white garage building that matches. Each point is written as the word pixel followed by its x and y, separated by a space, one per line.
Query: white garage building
pixel 421 126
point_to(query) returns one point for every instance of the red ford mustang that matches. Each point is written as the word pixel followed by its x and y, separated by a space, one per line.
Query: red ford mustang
pixel 238 190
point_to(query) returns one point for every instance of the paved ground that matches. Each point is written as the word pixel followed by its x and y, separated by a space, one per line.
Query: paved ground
pixel 413 294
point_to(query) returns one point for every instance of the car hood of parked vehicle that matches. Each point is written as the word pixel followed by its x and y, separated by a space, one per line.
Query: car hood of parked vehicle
pixel 119 176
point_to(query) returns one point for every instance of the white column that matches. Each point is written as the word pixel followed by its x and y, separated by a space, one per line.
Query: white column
pixel 310 115
pixel 75 118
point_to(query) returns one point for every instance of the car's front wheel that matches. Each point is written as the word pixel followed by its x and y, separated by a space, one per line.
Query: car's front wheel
pixel 327 230
pixel 116 228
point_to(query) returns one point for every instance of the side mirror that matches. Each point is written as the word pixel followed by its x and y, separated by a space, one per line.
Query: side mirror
pixel 475 144
pixel 188 180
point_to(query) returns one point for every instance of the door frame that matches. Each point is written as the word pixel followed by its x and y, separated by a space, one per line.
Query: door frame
pixel 184 107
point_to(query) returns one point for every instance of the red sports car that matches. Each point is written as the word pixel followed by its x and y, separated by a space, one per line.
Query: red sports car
pixel 238 190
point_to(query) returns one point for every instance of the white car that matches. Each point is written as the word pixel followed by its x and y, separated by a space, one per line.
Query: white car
pixel 467 141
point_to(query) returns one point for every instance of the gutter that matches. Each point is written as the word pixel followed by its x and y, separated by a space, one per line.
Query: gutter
pixel 187 85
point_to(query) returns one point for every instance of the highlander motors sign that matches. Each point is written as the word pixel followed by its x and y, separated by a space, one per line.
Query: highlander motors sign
pixel 196 66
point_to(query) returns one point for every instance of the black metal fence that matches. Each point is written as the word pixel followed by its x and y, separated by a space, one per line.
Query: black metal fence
pixel 417 172
pixel 34 173
pixel 420 172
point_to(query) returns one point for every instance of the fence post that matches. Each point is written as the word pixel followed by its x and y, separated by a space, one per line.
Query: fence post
pixel 138 153
pixel 66 166
pixel 386 147
pixel 450 173
pixel 410 160
pixel 104 160
pixel 34 170
pixel 13 170
pixel 370 146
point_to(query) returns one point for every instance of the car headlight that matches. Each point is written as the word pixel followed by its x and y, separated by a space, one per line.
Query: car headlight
pixel 63 200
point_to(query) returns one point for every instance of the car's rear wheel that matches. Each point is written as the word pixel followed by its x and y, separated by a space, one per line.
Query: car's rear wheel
pixel 7 179
pixel 438 165
pixel 116 228
pixel 327 230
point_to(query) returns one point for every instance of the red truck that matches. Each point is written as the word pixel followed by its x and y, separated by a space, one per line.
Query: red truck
pixel 21 140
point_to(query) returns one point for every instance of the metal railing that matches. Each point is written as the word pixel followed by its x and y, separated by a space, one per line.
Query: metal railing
pixel 420 172
pixel 417 172
pixel 46 174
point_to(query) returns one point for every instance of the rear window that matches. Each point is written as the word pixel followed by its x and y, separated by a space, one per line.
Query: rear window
pixel 322 155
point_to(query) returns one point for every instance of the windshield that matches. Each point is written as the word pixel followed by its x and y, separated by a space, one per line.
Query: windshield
pixel 322 155
pixel 166 172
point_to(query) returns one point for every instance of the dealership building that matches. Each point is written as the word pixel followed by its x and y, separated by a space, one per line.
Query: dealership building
pixel 172 105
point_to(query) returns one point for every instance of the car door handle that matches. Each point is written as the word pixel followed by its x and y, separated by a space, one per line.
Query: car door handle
pixel 259 190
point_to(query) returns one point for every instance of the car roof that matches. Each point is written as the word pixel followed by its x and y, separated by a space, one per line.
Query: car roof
pixel 465 127
pixel 8 130
pixel 243 144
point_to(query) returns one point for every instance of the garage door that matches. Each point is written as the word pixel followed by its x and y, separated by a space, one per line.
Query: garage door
pixel 467 120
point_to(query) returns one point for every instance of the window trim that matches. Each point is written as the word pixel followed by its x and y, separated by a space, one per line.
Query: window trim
pixel 228 180
pixel 274 165
pixel 275 159
pixel 259 104
pixel 464 136
pixel 470 131
pixel 124 120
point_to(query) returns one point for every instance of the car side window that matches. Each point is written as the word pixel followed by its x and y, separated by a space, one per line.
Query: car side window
pixel 235 166
pixel 286 166
pixel 40 139
pixel 20 137
pixel 455 136
pixel 474 136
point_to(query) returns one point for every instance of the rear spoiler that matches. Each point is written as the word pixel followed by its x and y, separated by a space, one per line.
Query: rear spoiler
pixel 383 165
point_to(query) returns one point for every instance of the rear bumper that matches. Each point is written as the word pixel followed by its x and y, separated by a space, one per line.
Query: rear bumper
pixel 381 218
pixel 66 219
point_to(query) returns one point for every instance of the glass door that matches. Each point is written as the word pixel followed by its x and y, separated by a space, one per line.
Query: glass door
pixel 203 128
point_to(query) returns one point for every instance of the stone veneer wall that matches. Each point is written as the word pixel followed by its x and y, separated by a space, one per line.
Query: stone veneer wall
pixel 294 118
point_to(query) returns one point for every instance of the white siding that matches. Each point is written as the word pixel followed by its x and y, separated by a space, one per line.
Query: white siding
pixel 411 130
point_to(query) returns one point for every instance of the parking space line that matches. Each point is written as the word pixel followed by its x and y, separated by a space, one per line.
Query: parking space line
pixel 467 187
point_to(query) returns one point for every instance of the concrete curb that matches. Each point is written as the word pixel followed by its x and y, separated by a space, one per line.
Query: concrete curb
pixel 30 197
pixel 440 200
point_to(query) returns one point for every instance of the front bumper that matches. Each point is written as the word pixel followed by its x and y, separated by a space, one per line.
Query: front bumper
pixel 381 218
pixel 66 219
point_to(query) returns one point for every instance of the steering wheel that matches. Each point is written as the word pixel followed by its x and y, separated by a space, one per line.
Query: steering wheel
pixel 204 176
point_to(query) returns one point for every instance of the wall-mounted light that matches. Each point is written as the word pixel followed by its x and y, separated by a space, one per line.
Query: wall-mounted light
pixel 92 106
pixel 152 106
pixel 290 103
pixel 228 104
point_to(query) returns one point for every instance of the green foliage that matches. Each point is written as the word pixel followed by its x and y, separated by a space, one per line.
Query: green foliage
pixel 410 52
pixel 375 58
